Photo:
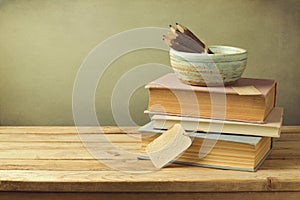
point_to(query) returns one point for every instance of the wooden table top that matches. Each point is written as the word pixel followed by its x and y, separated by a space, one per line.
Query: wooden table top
pixel 53 159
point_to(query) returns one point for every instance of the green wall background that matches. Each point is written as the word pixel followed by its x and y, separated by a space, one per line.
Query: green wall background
pixel 43 43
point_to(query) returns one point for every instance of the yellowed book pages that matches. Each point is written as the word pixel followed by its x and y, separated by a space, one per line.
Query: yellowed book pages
pixel 270 128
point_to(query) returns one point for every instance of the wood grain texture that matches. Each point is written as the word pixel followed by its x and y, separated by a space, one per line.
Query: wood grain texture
pixel 54 159
pixel 151 196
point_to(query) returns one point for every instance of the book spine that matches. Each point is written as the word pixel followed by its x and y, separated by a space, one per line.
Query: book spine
pixel 275 97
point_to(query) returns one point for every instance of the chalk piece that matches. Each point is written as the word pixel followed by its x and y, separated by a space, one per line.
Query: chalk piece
pixel 168 146
pixel 247 90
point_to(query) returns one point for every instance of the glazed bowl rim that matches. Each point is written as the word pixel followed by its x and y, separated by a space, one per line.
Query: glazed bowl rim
pixel 239 51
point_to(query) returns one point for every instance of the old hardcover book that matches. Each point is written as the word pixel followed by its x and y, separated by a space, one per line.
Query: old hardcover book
pixel 248 99
pixel 236 152
pixel 270 127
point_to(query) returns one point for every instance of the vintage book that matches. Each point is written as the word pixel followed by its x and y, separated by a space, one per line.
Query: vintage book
pixel 237 152
pixel 248 99
pixel 270 127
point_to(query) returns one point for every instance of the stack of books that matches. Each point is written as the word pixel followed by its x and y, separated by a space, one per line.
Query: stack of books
pixel 249 123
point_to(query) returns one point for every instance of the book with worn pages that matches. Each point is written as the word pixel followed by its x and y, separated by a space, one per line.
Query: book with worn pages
pixel 270 127
pixel 248 99
pixel 237 152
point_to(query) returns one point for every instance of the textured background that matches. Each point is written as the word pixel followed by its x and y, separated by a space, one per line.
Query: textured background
pixel 43 43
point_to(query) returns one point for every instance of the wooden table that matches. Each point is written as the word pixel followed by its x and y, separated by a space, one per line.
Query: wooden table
pixel 52 163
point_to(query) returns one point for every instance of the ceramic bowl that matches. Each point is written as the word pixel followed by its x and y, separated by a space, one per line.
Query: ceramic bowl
pixel 224 67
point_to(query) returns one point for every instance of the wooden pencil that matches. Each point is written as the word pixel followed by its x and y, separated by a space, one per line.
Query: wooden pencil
pixel 178 46
pixel 186 31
